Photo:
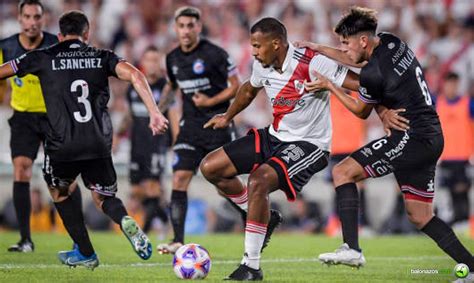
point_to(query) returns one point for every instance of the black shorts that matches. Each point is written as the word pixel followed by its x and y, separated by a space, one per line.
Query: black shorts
pixel 454 172
pixel 412 160
pixel 146 167
pixel 194 143
pixel 295 162
pixel 98 174
pixel 27 132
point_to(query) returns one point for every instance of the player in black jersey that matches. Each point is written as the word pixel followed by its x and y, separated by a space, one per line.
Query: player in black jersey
pixel 74 80
pixel 29 112
pixel 148 152
pixel 207 79
pixel 391 76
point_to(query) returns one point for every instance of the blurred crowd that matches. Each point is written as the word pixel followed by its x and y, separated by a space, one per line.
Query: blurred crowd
pixel 440 32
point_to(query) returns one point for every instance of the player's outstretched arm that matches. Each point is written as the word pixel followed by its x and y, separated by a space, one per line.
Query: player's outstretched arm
pixel 245 95
pixel 202 100
pixel 127 72
pixel 6 71
pixel 356 106
pixel 328 51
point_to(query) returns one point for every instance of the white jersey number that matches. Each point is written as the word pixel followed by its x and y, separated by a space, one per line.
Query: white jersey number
pixel 83 100
pixel 423 85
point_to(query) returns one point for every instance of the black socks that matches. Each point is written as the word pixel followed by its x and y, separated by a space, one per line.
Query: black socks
pixel 113 207
pixel 22 203
pixel 179 207
pixel 444 236
pixel 73 221
pixel 348 210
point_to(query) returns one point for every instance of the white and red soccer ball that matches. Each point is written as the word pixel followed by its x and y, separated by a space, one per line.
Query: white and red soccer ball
pixel 191 261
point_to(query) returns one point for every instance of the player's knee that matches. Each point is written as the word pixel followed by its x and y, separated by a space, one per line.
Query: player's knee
pixel 341 174
pixel 258 185
pixel 23 171
pixel 418 219
pixel 208 169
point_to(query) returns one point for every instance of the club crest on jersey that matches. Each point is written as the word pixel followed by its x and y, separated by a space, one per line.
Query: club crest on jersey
pixel 18 81
pixel 299 86
pixel 198 66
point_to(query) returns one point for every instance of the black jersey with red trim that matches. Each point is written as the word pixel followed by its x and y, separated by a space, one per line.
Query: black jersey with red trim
pixel 205 69
pixel 394 78
pixel 74 80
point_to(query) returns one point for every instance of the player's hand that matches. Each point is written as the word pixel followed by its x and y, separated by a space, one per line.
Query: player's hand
pixel 158 123
pixel 219 121
pixel 306 44
pixel 202 100
pixel 391 120
pixel 320 83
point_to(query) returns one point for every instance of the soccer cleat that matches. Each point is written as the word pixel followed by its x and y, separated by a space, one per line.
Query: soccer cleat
pixel 245 273
pixel 23 246
pixel 169 248
pixel 344 255
pixel 139 240
pixel 74 258
pixel 273 223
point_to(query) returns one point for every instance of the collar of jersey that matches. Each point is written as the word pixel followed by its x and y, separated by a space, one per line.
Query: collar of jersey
pixel 289 55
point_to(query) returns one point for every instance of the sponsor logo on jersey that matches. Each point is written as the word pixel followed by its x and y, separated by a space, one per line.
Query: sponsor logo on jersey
pixel 174 70
pixel 397 151
pixel 431 186
pixel 339 71
pixel 299 86
pixel 198 66
pixel 366 151
pixel 18 81
pixel 267 83
pixel 281 101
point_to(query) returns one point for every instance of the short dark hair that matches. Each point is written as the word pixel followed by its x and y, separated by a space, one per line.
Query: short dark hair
pixel 152 48
pixel 358 19
pixel 451 76
pixel 270 26
pixel 29 2
pixel 187 11
pixel 73 23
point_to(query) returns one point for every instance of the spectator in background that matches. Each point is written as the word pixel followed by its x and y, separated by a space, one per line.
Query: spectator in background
pixel 456 113
pixel 148 152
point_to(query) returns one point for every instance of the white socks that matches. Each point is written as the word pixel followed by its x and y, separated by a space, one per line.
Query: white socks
pixel 242 199
pixel 254 237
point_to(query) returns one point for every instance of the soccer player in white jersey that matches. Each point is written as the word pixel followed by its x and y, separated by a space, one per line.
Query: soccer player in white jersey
pixel 287 153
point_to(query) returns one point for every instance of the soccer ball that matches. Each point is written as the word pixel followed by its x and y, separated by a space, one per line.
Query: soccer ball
pixel 191 261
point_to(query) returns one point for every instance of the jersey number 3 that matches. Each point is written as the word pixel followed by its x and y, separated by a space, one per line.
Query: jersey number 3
pixel 423 85
pixel 83 100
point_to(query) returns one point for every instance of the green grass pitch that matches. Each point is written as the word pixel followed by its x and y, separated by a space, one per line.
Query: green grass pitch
pixel 289 258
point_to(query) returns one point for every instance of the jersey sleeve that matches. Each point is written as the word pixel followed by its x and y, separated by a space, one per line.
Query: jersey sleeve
pixel 256 79
pixel 328 68
pixel 228 64
pixel 112 61
pixel 28 63
pixel 169 72
pixel 371 86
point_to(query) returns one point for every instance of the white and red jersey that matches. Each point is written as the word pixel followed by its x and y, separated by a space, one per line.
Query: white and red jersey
pixel 298 114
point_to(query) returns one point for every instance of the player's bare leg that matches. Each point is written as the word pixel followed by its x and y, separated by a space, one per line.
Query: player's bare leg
pixel 345 175
pixel 218 169
pixel 261 183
